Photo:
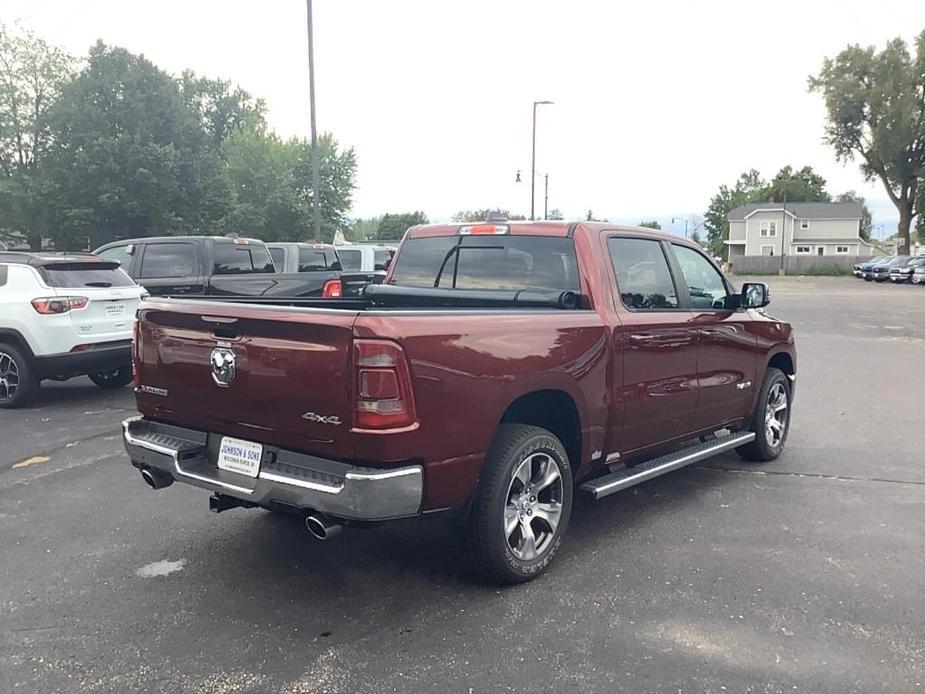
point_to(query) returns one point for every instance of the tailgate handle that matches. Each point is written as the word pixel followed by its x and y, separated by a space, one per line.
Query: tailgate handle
pixel 219 319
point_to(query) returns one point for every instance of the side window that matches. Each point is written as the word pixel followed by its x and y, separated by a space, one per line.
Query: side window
pixel 3 275
pixel 278 256
pixel 311 260
pixel 120 254
pixel 643 277
pixel 350 260
pixel 168 259
pixel 238 259
pixel 704 283
pixel 382 259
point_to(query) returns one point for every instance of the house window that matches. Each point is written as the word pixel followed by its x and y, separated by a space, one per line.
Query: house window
pixel 804 224
pixel 841 249
pixel 803 250
pixel 768 228
pixel 820 250
pixel 767 250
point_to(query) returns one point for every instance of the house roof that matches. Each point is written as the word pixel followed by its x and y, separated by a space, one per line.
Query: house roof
pixel 802 210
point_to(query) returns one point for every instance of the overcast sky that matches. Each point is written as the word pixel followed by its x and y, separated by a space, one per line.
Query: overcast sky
pixel 656 103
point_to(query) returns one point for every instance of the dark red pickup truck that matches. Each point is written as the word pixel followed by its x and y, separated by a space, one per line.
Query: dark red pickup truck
pixel 500 369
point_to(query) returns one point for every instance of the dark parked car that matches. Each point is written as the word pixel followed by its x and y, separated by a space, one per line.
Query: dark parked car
pixel 880 272
pixel 902 272
pixel 501 369
pixel 214 265
pixel 862 270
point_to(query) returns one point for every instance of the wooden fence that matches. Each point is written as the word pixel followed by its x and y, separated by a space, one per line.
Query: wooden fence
pixel 794 264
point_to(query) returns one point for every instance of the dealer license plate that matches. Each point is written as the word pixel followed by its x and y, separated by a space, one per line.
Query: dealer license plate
pixel 239 456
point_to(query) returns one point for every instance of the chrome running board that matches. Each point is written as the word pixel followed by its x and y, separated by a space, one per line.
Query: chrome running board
pixel 624 478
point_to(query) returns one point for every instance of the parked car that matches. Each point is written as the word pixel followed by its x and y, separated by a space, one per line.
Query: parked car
pixel 918 275
pixel 63 316
pixel 365 257
pixel 501 369
pixel 863 270
pixel 880 272
pixel 214 265
pixel 902 272
pixel 320 258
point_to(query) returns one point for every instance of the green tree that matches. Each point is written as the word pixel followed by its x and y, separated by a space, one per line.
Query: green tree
pixel 393 226
pixel 650 225
pixel 875 111
pixel 128 156
pixel 470 216
pixel 555 214
pixel 220 108
pixel 32 74
pixel 363 229
pixel 337 175
pixel 788 185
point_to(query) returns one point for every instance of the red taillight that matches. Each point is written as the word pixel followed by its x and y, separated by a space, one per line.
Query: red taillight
pixel 59 304
pixel 473 229
pixel 332 289
pixel 383 386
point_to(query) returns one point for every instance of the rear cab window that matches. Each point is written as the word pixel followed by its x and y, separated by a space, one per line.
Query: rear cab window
pixel 240 258
pixel 644 279
pixel 85 274
pixel 505 262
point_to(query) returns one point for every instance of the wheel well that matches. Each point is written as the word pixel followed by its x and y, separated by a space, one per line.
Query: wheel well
pixel 14 339
pixel 553 410
pixel 782 361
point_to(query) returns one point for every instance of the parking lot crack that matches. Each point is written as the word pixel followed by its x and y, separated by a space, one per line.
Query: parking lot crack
pixel 815 475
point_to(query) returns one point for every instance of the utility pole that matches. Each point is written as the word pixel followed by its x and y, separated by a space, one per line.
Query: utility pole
pixel 311 98
pixel 546 203
pixel 533 161
pixel 783 234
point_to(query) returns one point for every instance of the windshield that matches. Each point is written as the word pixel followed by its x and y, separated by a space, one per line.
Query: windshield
pixel 488 262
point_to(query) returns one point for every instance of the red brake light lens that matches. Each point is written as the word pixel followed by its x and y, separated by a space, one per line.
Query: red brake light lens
pixel 473 229
pixel 332 289
pixel 59 304
pixel 384 398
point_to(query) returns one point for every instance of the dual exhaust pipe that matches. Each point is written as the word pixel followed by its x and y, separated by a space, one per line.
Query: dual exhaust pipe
pixel 319 525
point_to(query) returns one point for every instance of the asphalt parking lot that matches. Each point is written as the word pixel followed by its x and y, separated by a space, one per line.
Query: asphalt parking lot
pixel 802 575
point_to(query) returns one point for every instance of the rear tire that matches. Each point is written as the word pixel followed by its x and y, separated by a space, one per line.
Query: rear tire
pixel 114 378
pixel 771 419
pixel 521 508
pixel 18 380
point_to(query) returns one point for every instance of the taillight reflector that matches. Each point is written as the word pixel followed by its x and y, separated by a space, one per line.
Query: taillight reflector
pixel 384 398
pixel 332 289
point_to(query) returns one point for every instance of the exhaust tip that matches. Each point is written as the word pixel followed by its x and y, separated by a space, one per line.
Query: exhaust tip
pixel 321 527
pixel 156 479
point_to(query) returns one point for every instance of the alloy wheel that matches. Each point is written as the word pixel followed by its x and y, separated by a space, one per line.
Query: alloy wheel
pixel 9 377
pixel 534 506
pixel 776 413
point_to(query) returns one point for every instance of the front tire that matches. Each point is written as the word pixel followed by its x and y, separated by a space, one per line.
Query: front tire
pixel 17 378
pixel 521 508
pixel 771 419
pixel 114 378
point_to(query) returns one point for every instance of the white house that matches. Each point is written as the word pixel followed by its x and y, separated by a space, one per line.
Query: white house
pixel 797 228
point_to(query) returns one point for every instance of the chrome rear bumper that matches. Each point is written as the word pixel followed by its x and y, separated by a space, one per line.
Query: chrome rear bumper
pixel 338 489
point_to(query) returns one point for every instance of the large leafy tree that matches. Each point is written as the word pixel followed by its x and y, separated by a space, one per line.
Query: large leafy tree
pixel 469 216
pixel 221 108
pixel 393 226
pixel 875 112
pixel 749 187
pixel 32 73
pixel 788 185
pixel 337 176
pixel 128 156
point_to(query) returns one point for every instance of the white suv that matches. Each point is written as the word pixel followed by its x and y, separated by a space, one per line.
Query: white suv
pixel 63 316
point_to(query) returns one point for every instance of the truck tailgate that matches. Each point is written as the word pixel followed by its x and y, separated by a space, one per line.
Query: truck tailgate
pixel 273 375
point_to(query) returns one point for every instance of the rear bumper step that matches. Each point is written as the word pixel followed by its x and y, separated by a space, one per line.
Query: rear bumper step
pixel 625 478
pixel 285 477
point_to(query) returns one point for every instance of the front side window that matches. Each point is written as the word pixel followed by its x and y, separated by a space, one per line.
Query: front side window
pixel 170 259
pixel 705 285
pixel 240 259
pixel 488 262
pixel 643 277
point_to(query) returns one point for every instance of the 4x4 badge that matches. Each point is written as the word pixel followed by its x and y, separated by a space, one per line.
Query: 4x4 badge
pixel 222 366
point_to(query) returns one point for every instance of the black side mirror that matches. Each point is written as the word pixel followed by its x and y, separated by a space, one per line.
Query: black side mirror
pixel 754 295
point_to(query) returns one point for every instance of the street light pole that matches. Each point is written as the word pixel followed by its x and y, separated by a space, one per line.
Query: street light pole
pixel 674 219
pixel 533 161
pixel 311 98
pixel 546 202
